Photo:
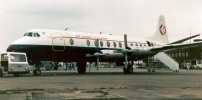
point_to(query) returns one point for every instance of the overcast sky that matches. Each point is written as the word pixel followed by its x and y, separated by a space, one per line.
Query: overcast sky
pixel 137 18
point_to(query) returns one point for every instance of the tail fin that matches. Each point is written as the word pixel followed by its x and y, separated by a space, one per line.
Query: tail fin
pixel 161 32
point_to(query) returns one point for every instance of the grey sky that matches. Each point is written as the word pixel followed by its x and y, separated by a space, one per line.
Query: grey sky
pixel 137 18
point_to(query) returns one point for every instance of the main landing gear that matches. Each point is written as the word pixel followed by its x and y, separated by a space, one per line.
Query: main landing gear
pixel 81 67
pixel 150 70
pixel 128 69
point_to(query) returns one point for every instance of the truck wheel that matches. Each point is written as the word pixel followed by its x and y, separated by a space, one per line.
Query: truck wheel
pixel 37 72
pixel 16 74
pixel 1 73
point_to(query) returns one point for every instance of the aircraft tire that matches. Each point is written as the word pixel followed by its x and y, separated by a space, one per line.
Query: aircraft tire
pixel 149 70
pixel 81 70
pixel 37 72
pixel 81 67
pixel 153 70
pixel 16 74
pixel 125 70
pixel 1 73
pixel 128 70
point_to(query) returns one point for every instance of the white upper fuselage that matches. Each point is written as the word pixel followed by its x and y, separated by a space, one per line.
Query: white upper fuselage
pixel 81 39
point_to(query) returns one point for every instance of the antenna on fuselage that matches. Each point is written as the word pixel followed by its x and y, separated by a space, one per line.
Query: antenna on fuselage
pixel 66 29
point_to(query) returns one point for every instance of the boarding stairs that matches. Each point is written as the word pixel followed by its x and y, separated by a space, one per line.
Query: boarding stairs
pixel 168 61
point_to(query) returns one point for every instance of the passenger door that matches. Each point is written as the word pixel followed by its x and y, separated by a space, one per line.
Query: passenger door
pixel 58 42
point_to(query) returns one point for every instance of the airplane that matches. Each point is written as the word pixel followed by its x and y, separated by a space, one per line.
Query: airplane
pixel 81 47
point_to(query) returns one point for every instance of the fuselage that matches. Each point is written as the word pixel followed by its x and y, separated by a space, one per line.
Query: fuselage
pixel 54 45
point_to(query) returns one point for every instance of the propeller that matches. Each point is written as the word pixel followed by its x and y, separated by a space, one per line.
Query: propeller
pixel 97 54
pixel 126 51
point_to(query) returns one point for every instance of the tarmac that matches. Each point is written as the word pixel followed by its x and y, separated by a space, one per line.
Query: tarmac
pixel 62 95
pixel 68 85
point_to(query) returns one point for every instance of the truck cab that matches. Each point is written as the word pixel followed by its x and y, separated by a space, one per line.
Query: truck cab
pixel 14 63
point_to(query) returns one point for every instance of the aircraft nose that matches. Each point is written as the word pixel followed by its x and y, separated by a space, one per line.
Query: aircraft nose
pixel 14 48
pixel 10 49
pixel 19 45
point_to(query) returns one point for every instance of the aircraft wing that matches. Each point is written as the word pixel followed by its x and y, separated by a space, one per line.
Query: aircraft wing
pixel 175 46
pixel 185 39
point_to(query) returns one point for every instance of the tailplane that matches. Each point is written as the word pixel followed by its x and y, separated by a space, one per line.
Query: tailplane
pixel 161 31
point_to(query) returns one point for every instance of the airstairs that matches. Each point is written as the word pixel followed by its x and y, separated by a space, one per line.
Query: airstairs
pixel 168 61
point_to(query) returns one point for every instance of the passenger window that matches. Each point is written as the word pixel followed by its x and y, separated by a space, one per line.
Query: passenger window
pixel 131 44
pixel 114 44
pixel 71 41
pixel 120 45
pixel 108 43
pixel 101 43
pixel 136 44
pixel 88 42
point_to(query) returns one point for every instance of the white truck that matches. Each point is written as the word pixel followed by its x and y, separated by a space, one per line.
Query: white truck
pixel 14 63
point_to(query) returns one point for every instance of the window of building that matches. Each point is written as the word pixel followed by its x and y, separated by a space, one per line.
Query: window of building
pixel 187 54
pixel 201 46
pixel 179 54
pixel 183 54
pixel 173 55
pixel 201 54
pixel 176 54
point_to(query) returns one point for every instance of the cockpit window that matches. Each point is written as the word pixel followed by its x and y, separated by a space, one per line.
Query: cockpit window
pixel 34 34
pixel 25 34
pixel 31 34
pixel 37 34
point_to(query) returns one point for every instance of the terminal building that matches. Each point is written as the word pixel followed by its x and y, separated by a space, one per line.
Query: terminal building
pixel 188 56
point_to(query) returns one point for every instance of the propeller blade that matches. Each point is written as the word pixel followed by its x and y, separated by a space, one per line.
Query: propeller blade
pixel 97 56
pixel 125 41
pixel 97 45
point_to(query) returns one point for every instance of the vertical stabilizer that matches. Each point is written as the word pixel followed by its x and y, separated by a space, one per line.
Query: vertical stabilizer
pixel 161 31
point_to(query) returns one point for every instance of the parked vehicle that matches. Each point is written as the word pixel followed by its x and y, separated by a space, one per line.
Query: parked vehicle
pixel 14 63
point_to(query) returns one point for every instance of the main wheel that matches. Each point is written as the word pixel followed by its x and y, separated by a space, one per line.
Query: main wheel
pixel 1 72
pixel 148 70
pixel 153 70
pixel 37 72
pixel 16 74
pixel 81 70
pixel 128 70
pixel 125 70
pixel 81 67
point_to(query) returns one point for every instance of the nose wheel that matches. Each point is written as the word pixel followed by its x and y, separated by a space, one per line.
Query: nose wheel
pixel 37 72
pixel 128 70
